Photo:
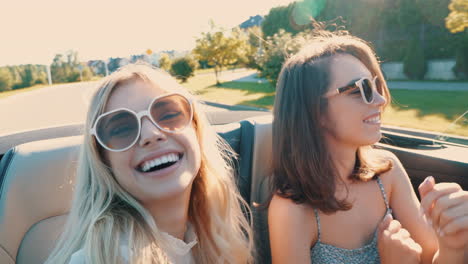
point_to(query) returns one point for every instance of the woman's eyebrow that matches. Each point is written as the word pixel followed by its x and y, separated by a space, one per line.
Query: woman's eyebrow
pixel 117 118
pixel 352 82
pixel 348 86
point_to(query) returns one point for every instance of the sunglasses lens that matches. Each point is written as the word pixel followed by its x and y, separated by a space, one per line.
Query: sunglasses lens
pixel 117 130
pixel 367 89
pixel 172 113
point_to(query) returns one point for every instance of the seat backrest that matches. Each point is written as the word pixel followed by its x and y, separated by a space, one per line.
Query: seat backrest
pixel 35 196
pixel 36 186
pixel 260 186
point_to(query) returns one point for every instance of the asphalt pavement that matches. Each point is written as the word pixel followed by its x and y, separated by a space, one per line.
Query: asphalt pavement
pixel 56 105
pixel 67 103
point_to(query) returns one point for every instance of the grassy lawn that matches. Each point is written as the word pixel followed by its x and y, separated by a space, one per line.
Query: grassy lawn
pixel 426 110
pixel 211 70
pixel 429 110
pixel 35 87
pixel 232 93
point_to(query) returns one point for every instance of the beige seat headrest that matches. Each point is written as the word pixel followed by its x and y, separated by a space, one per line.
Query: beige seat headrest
pixel 36 190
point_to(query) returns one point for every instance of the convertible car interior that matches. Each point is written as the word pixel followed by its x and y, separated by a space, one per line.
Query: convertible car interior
pixel 37 178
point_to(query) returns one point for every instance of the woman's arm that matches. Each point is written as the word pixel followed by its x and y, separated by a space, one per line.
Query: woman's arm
pixel 446 205
pixel 292 228
pixel 406 208
pixel 395 244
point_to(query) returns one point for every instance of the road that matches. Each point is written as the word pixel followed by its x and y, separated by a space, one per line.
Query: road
pixel 51 106
pixel 67 103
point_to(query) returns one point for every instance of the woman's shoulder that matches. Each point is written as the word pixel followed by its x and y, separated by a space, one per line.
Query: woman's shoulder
pixel 385 156
pixel 287 213
pixel 292 230
pixel 279 205
pixel 395 174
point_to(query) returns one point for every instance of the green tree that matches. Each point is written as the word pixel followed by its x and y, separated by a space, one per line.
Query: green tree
pixel 26 75
pixel 6 79
pixel 65 67
pixel 255 38
pixel 32 74
pixel 278 18
pixel 461 64
pixel 184 68
pixel 165 62
pixel 114 63
pixel 414 64
pixel 457 20
pixel 220 49
pixel 276 50
pixel 86 73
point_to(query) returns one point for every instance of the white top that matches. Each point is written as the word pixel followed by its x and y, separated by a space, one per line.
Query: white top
pixel 179 251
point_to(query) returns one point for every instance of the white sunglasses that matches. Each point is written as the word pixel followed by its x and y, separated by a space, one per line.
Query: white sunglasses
pixel 366 87
pixel 119 129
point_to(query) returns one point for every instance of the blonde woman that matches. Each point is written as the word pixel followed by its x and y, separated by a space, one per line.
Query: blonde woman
pixel 154 184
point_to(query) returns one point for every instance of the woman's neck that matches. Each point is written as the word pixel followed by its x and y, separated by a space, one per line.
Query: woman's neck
pixel 343 157
pixel 171 214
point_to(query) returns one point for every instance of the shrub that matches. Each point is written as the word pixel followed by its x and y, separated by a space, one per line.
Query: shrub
pixel 183 68
pixel 414 63
pixel 6 80
pixel 165 62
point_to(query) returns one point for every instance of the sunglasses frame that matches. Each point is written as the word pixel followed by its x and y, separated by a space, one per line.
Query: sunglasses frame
pixel 358 84
pixel 139 116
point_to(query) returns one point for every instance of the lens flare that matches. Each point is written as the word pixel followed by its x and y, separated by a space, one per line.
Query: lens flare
pixel 305 10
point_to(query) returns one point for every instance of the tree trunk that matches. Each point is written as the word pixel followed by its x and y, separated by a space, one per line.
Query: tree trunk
pixel 216 74
pixel 422 36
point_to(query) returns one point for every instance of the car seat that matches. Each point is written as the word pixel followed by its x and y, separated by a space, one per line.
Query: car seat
pixel 37 179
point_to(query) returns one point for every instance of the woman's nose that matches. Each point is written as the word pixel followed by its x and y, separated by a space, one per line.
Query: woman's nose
pixel 150 134
pixel 379 100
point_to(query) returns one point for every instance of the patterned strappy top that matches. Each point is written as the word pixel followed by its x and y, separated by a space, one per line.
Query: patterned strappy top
pixel 368 254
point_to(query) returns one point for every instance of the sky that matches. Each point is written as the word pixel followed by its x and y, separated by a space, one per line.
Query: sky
pixel 32 31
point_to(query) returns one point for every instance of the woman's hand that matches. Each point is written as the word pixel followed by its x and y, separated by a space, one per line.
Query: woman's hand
pixel 395 244
pixel 445 206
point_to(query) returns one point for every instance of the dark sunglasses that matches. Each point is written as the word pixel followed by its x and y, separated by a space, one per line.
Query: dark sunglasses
pixel 119 129
pixel 365 85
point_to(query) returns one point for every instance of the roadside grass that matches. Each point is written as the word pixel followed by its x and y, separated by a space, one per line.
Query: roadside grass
pixel 426 110
pixel 22 90
pixel 39 86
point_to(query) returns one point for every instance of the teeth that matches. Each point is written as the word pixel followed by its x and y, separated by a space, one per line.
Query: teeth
pixel 374 120
pixel 172 157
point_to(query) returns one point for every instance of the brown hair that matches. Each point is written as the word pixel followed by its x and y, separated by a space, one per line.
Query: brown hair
pixel 303 170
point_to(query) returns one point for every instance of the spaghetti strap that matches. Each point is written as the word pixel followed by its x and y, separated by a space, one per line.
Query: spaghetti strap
pixel 317 217
pixel 383 194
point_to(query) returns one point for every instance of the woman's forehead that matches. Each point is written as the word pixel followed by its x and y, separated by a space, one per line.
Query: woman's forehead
pixel 345 68
pixel 134 94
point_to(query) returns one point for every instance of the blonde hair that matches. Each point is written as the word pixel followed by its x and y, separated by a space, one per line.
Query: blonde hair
pixel 102 211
